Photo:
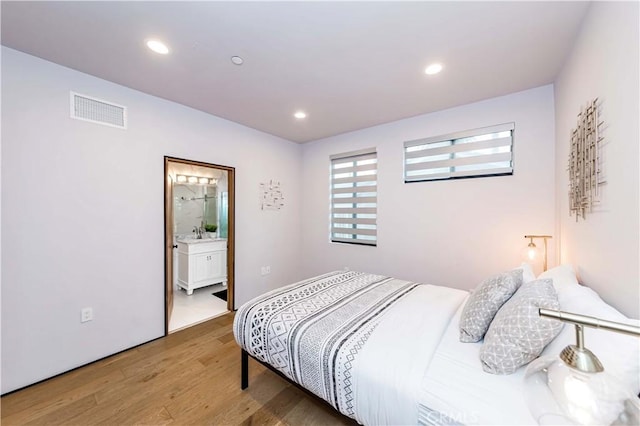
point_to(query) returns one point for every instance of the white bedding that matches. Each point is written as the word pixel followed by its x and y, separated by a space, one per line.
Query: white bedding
pixel 390 369
pixel 455 386
pixel 387 352
pixel 381 350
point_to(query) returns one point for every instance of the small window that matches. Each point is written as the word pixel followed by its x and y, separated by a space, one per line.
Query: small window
pixel 473 153
pixel 354 197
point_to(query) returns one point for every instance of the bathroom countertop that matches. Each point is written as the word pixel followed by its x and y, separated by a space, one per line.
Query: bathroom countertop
pixel 199 241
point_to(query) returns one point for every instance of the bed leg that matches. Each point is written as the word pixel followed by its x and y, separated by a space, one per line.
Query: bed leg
pixel 245 370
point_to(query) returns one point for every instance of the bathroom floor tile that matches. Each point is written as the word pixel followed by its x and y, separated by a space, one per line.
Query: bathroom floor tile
pixel 194 309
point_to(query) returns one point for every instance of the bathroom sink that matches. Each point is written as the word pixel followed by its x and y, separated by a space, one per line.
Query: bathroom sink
pixel 191 240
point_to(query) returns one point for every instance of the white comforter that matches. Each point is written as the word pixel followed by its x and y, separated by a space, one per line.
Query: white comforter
pixel 455 389
pixel 390 370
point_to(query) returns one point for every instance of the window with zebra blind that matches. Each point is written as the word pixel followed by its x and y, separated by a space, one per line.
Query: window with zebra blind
pixel 354 197
pixel 473 153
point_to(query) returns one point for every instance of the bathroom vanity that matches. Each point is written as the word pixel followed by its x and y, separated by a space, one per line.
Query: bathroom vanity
pixel 201 262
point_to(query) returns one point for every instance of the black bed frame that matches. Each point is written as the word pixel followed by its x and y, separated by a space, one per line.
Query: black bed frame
pixel 244 381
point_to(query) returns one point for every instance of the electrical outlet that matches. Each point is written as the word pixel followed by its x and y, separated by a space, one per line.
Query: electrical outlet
pixel 86 314
pixel 265 270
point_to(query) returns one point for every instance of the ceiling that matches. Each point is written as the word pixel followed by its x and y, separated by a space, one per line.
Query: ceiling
pixel 348 65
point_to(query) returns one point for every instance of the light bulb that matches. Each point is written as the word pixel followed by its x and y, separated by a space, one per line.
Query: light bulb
pixel 531 253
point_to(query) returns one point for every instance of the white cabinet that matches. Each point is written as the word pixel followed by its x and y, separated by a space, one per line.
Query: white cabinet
pixel 201 263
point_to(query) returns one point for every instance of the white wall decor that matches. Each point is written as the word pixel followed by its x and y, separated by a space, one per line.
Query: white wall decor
pixel 585 175
pixel 271 197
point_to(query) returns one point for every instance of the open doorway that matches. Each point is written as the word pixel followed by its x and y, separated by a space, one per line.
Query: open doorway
pixel 199 241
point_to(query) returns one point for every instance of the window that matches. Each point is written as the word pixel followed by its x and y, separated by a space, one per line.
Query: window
pixel 354 191
pixel 473 153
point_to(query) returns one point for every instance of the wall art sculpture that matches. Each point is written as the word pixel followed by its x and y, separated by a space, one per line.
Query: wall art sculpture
pixel 585 168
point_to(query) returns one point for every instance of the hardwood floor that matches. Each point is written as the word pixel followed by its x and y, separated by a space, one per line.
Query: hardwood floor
pixel 190 377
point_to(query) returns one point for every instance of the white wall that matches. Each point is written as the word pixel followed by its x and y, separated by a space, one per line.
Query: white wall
pixel 82 219
pixel 452 233
pixel 604 65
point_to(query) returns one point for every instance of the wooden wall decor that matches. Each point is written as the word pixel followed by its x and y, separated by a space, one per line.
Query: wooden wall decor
pixel 585 176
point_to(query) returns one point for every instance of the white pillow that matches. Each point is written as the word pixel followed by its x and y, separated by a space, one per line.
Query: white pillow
pixel 619 353
pixel 527 273
pixel 564 280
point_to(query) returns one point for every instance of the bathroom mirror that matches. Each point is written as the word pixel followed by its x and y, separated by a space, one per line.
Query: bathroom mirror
pixel 199 198
pixel 194 205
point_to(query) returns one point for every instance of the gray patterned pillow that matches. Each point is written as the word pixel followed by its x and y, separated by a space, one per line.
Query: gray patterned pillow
pixel 518 334
pixel 483 304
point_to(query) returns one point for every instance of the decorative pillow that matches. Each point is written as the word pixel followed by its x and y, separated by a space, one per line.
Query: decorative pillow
pixel 484 302
pixel 518 334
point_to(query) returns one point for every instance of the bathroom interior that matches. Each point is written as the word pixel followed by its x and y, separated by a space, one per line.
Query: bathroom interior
pixel 200 230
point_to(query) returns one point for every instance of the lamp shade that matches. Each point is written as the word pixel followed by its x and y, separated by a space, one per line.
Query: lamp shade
pixel 561 395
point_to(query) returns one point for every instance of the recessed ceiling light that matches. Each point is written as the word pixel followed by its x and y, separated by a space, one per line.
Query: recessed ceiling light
pixel 237 60
pixel 300 115
pixel 158 47
pixel 433 69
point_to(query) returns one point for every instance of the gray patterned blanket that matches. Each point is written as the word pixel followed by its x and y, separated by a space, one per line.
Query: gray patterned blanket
pixel 312 331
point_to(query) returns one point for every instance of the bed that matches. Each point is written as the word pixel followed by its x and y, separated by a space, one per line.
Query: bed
pixel 382 350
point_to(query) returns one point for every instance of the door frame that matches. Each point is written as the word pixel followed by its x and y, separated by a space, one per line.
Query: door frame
pixel 231 178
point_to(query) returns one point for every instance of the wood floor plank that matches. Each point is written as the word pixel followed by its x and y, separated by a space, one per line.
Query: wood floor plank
pixel 242 404
pixel 18 410
pixel 209 389
pixel 161 417
pixel 275 409
pixel 189 377
pixel 323 414
pixel 62 415
pixel 184 352
pixel 226 337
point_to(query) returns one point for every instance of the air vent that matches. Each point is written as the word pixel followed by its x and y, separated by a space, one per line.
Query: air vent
pixel 98 111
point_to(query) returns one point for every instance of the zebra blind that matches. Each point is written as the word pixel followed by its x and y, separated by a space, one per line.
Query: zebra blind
pixel 473 153
pixel 354 192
